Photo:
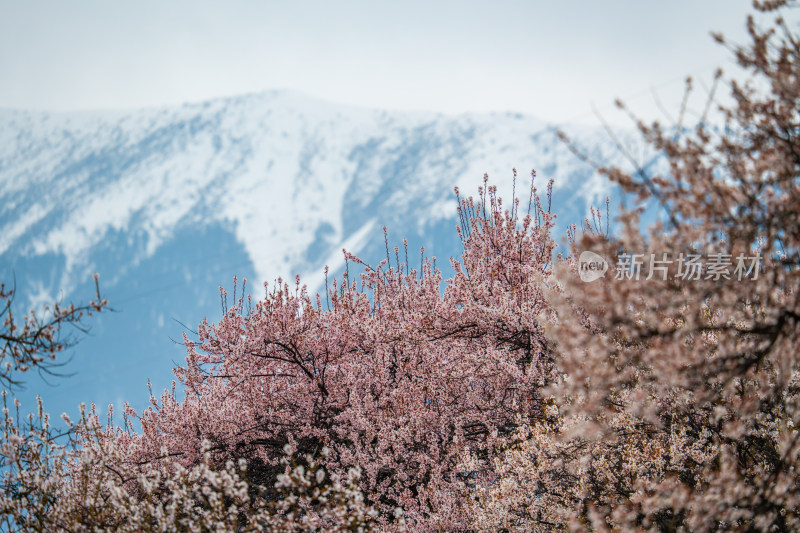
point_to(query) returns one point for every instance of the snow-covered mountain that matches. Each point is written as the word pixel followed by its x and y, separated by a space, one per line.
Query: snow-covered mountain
pixel 168 204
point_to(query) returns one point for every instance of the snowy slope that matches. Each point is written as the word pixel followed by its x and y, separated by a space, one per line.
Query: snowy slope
pixel 168 204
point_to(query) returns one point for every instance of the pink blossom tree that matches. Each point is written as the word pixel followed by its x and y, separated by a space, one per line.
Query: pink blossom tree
pixel 393 379
pixel 679 399
pixel 394 375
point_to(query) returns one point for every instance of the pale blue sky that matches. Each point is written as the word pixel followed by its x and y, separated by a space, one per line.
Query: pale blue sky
pixel 552 59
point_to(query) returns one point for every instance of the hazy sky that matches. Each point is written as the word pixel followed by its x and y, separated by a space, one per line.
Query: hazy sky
pixel 553 59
